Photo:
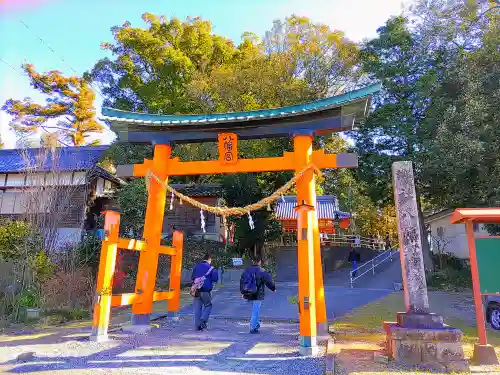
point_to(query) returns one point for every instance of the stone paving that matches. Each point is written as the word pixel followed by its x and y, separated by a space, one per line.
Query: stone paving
pixel 173 348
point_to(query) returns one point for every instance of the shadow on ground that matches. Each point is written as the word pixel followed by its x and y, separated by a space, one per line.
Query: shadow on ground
pixel 226 348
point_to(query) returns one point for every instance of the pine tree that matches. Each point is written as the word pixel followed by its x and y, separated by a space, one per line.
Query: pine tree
pixel 69 108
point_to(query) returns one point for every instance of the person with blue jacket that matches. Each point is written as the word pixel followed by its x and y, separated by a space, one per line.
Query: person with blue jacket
pixel 253 283
pixel 202 303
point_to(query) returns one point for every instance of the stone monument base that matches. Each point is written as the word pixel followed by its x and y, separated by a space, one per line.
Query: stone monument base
pixel 430 348
pixel 419 320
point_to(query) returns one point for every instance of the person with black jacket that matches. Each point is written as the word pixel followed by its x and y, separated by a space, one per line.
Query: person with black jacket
pixel 253 283
pixel 387 241
pixel 354 258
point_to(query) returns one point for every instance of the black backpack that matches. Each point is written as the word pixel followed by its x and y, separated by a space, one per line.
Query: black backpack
pixel 248 284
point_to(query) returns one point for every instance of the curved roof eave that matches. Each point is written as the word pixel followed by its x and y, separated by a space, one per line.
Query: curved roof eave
pixel 343 101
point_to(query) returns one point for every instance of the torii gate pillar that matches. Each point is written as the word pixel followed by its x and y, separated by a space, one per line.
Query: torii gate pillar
pixel 148 262
pixel 306 199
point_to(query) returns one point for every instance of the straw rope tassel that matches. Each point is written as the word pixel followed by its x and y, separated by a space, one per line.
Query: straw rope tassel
pixel 250 221
pixel 202 219
pixel 233 211
pixel 226 229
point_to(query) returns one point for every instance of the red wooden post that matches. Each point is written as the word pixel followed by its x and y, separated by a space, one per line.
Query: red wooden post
pixel 306 199
pixel 107 260
pixel 476 290
pixel 148 260
pixel 175 271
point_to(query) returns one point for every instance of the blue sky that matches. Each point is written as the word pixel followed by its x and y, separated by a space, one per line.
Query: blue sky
pixel 76 28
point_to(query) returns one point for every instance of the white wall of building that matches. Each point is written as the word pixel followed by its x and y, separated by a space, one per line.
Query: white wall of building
pixel 452 234
pixel 15 198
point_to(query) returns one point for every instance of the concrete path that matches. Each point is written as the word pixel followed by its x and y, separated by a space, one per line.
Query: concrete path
pixel 227 302
pixel 173 348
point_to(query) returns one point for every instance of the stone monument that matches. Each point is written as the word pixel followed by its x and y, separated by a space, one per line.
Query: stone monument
pixel 418 337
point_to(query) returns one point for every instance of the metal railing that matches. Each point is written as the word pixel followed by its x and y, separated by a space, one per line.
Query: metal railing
pixel 372 264
pixel 339 240
pixel 352 240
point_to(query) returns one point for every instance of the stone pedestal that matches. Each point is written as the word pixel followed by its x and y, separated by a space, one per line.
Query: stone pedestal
pixel 428 348
pixel 420 320
pixel 323 331
pixel 99 338
pixel 139 324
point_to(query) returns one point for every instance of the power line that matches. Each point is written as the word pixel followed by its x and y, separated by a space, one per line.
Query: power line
pixel 49 47
pixel 43 83
pixel 10 66
pixel 98 90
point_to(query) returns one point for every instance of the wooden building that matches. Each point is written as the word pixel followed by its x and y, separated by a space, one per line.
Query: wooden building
pixel 64 190
pixel 187 218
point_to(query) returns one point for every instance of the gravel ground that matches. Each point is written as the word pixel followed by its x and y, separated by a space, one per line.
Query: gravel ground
pixel 173 347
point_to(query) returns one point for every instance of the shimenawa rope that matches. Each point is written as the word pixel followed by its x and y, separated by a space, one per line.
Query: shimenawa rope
pixel 232 211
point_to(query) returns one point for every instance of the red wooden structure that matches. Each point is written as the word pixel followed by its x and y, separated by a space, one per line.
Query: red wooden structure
pixel 327 209
pixel 483 353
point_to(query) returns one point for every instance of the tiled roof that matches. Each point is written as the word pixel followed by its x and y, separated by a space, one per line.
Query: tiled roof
pixel 326 205
pixel 65 158
pixel 115 115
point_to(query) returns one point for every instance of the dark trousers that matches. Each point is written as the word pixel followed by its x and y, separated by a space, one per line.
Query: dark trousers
pixel 354 268
pixel 202 305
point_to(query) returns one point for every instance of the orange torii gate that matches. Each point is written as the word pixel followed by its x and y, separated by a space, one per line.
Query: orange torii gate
pixel 302 122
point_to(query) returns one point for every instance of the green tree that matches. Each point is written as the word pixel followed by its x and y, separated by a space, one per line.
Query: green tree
pixel 397 128
pixel 297 61
pixel 413 60
pixel 69 111
pixel 173 67
pixel 151 67
pixel 132 199
pixel 432 108
pixel 15 237
pixel 462 165
pixel 368 217
pixel 323 58
pixel 181 67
